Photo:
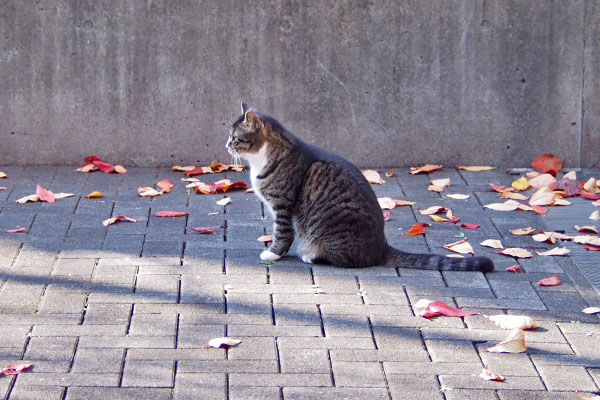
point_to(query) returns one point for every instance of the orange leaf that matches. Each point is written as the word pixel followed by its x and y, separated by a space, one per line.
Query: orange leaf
pixel 501 189
pixel 425 168
pixel 179 168
pixel 513 268
pixel 44 195
pixel 551 281
pixel 417 229
pixel 389 173
pixel 489 376
pixel 94 195
pixel 168 214
pixel 165 185
pixel 265 238
pixel 547 162
pixel 539 210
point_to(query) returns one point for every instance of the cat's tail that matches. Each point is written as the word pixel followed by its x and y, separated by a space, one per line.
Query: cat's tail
pixel 399 259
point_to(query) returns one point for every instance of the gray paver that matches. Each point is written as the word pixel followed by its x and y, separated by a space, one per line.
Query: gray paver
pixel 125 311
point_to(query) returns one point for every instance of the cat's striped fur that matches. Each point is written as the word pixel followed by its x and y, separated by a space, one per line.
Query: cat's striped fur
pixel 324 200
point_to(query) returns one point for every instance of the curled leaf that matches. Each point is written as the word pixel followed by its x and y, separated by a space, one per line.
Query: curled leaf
pixel 515 343
pixel 224 201
pixel 206 230
pixel 547 162
pixel 513 268
pixel 169 214
pixel 429 309
pixel 3 175
pixel 493 243
pixel 511 322
pixel 470 226
pixel 373 176
pixel 438 185
pixel 18 230
pixel 521 184
pixel 557 251
pixel 118 218
pixel 14 369
pixel 433 210
pixel 148 191
pixel 44 195
pixel 595 215
pixel 508 205
pixel 417 229
pixel 586 229
pixel 166 185
pixel 223 343
pixel 475 168
pixel 94 195
pixel 458 196
pixel 389 173
pixel 425 169
pixel 489 376
pixel 386 216
pixel 522 231
pixel 31 198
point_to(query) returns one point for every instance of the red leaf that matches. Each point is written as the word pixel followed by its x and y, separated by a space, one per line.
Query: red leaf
pixel 206 230
pixel 546 162
pixel 539 210
pixel 14 369
pixel 551 281
pixel 417 229
pixel 513 268
pixel 170 213
pixel 591 247
pixel 44 195
pixel 436 308
pixel 97 161
pixel 19 230
pixel 196 171
pixel 589 196
pixel 470 226
pixel 225 187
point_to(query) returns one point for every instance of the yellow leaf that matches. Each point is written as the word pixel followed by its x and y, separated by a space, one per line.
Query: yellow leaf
pixel 27 199
pixel 475 168
pixel 373 176
pixel 425 168
pixel 522 231
pixel 521 184
pixel 94 195
pixel 437 218
pixel 119 169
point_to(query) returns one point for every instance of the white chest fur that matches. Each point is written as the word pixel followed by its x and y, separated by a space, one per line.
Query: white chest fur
pixel 257 162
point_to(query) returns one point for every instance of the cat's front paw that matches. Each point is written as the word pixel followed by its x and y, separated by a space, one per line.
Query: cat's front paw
pixel 268 255
pixel 308 259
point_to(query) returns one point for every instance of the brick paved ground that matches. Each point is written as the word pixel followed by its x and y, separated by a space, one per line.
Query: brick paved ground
pixel 124 311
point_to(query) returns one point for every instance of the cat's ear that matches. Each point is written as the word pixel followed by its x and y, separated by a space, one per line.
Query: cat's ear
pixel 253 120
pixel 245 107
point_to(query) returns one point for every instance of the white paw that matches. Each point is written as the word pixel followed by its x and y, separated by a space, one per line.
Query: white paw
pixel 307 259
pixel 268 255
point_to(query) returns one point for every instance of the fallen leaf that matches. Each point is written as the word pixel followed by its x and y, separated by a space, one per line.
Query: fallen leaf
pixel 557 251
pixel 386 216
pixel 372 176
pixel 417 229
pixel 543 196
pixel 508 205
pixel 461 247
pixel 591 186
pixel 44 195
pixel 401 203
pixel 515 343
pixel 2 187
pixel 493 243
pixel 586 229
pixel 537 209
pixel 94 195
pixel 58 196
pixel 220 186
pixel 148 191
pixel 166 185
pixel 470 226
pixel 168 214
pixel 389 173
pixel 516 252
pixel 425 168
pixel 513 196
pixel 27 199
pixel 224 201
pixel 18 230
pixel 199 171
pixel 591 247
pixel 578 393
pixel 501 188
pixel 572 175
pixel 118 218
pixel 386 203
pixel 513 268
pixel 97 161
pixel 429 309
pixel 458 196
pixel 587 239
pixel 265 238
pixel 489 376
pixel 119 169
pixel 521 184
pixel 475 168
pixel 3 175
pixel 542 180
pixel 591 310
pixel 595 215
pixel 522 231
pixel 551 281
pixel 511 322
pixel 433 210
pixel 223 343
pixel 206 230
pixel 14 369
pixel 87 168
pixel 438 185
pixel 591 196
pixel 547 162
pixel 179 168
pixel 437 218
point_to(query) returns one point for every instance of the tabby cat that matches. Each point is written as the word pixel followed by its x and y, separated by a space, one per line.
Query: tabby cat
pixel 324 199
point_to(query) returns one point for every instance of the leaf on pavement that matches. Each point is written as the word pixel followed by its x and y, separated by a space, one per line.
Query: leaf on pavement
pixel 522 231
pixel 206 230
pixel 591 186
pixel 547 162
pixel 166 185
pixel 98 163
pixel 389 173
pixel 591 310
pixel 511 322
pixel 94 195
pixel 470 226
pixel 169 214
pixel 557 251
pixel 118 218
pixel 433 210
pixel 595 215
pixel 438 185
pixel 458 196
pixel 148 191
pixel 551 281
pixel 493 243
pixel 265 238
pixel 461 247
pixel 508 205
pixel 521 184
pixel 224 201
pixel 386 216
pixel 475 168
pixel 44 195
pixel 223 343
pixel 429 309
pixel 513 268
pixel 516 252
pixel 179 168
pixel 515 343
pixel 425 169
pixel 14 369
pixel 18 230
pixel 372 176
pixel 386 203
pixel 3 175
pixel 417 229
pixel 31 198
pixel 544 196
pixel 542 180
pixel 586 229
pixel 490 376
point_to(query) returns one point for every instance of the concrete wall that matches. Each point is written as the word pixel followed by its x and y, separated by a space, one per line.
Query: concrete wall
pixel 386 82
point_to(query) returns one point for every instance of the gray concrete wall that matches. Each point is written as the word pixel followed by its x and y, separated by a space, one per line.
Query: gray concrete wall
pixel 387 82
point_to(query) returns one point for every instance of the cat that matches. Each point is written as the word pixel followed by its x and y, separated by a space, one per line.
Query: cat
pixel 324 199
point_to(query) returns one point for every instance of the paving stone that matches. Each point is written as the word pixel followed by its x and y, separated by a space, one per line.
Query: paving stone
pixel 304 361
pixel 297 314
pixel 414 386
pixel 324 342
pixel 101 393
pixel 280 380
pixel 70 267
pixel 159 342
pixel 347 326
pixel 534 395
pixel 51 348
pixel 22 392
pixel 466 394
pixel 475 382
pixel 294 393
pixel 227 366
pixel 358 374
pixel 465 279
pixel 452 351
pixel 104 314
pixel 147 373
pixel 94 362
pixel 571 378
pixel 69 379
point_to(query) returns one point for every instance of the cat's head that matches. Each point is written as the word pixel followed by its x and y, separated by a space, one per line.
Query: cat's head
pixel 248 133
